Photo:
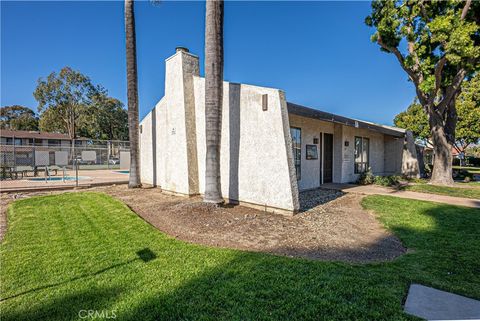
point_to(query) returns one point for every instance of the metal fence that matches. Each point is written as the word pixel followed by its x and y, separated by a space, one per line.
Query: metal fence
pixel 78 163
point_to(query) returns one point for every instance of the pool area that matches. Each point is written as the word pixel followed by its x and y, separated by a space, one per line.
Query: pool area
pixel 57 178
pixel 86 177
pixel 123 172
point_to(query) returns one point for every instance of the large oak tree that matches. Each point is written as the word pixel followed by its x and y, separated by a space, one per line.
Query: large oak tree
pixel 467 131
pixel 437 43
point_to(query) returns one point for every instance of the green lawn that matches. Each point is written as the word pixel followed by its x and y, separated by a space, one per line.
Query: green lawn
pixel 445 190
pixel 473 170
pixel 87 251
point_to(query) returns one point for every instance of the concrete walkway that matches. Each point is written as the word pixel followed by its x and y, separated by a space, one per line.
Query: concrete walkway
pixel 432 304
pixel 380 190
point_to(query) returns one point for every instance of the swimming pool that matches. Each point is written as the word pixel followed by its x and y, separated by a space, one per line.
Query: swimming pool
pixel 123 172
pixel 57 178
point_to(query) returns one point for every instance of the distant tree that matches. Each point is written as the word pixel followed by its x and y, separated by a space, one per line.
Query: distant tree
pixel 442 48
pixel 473 151
pixel 415 120
pixel 63 101
pixel 468 112
pixel 108 120
pixel 467 131
pixel 18 118
pixel 132 94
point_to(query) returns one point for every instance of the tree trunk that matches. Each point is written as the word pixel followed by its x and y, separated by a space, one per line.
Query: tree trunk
pixel 213 99
pixel 132 93
pixel 442 149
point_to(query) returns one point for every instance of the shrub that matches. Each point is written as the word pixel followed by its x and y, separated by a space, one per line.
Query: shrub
pixel 366 177
pixel 387 180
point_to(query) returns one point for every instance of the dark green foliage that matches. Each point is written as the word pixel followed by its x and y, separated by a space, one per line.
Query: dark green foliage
pixel 415 120
pixel 387 180
pixel 366 178
pixel 437 44
pixel 18 118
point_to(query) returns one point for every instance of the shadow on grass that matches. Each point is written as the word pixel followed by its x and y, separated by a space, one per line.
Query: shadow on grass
pixel 66 306
pixel 256 286
pixel 249 286
pixel 144 255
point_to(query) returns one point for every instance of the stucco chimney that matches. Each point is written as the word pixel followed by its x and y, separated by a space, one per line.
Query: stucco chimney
pixel 182 49
pixel 180 99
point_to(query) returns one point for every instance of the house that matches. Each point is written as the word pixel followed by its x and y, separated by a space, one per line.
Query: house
pixel 37 138
pixel 270 149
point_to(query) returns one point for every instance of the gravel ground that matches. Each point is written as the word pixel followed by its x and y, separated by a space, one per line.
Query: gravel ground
pixel 331 226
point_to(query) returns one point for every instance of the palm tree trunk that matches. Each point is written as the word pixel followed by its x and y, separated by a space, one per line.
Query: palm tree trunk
pixel 132 93
pixel 213 99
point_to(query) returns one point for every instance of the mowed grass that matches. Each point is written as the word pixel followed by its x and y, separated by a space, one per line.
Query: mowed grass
pixel 445 190
pixel 87 251
pixel 473 170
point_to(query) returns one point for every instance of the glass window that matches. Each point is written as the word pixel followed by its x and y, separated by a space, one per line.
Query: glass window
pixel 362 151
pixel 54 142
pixel 296 134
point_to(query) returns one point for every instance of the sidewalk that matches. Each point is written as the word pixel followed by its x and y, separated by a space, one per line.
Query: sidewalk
pixel 380 190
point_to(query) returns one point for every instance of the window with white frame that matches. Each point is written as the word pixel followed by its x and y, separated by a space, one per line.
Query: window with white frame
pixel 362 151
pixel 296 134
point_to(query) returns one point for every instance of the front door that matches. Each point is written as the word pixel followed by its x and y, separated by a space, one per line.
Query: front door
pixel 327 158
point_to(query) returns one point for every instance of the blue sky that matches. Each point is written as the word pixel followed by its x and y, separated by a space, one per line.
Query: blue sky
pixel 318 52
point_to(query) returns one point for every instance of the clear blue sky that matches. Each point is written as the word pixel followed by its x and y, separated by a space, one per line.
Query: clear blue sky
pixel 318 52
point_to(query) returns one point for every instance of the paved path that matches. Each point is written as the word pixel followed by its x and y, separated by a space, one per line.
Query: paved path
pixel 432 304
pixel 380 190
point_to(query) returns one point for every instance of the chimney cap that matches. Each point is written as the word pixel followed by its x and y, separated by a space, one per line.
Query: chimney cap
pixel 182 49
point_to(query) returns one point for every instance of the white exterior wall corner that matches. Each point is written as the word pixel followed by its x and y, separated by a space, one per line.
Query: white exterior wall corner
pixel 289 152
pixel 393 149
pixel 174 143
pixel 146 159
pixel 253 156
pixel 410 166
pixel 190 68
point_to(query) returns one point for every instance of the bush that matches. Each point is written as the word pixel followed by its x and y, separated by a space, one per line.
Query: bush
pixel 461 174
pixel 366 178
pixel 387 180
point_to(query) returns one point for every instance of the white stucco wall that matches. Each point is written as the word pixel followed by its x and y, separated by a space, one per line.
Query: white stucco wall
pixel 310 168
pixel 146 159
pixel 256 158
pixel 376 155
pixel 256 164
pixel 343 156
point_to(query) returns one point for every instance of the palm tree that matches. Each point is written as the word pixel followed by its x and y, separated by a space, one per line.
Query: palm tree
pixel 132 93
pixel 213 99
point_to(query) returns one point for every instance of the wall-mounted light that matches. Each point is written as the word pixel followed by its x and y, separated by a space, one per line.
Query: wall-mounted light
pixel 315 140
pixel 264 102
pixel 347 143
